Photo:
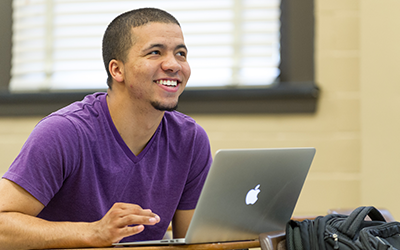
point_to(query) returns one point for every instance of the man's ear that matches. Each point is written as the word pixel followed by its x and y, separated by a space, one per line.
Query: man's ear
pixel 116 69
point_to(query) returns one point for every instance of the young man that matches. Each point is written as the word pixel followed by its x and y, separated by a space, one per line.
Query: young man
pixel 115 166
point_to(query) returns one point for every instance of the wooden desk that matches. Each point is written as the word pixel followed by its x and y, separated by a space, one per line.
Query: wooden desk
pixel 212 246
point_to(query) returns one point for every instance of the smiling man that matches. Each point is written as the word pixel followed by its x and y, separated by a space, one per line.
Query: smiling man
pixel 116 166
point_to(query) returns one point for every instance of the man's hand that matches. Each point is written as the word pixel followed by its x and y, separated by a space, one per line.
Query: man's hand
pixel 121 221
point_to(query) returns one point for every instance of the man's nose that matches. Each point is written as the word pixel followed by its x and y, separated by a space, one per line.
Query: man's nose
pixel 171 64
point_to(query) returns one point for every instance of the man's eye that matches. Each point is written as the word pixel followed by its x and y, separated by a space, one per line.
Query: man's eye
pixel 181 54
pixel 156 52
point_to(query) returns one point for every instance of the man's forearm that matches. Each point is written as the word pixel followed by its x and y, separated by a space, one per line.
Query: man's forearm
pixel 20 231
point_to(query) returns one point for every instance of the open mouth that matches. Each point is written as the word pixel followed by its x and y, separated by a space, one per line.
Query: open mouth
pixel 168 83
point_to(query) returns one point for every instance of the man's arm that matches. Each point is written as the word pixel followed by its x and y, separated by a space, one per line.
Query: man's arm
pixel 20 229
pixel 180 222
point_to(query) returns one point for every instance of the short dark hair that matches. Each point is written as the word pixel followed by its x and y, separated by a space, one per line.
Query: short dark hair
pixel 117 39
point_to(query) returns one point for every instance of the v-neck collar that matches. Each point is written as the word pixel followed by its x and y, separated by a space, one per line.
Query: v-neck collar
pixel 118 138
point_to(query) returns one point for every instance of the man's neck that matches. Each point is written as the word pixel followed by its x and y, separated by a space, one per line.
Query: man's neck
pixel 135 124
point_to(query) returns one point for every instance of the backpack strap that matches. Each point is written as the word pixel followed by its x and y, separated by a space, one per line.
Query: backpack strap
pixel 293 236
pixel 353 223
pixel 298 234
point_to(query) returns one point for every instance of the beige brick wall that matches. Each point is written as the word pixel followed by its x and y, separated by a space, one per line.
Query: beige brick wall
pixel 380 103
pixel 343 129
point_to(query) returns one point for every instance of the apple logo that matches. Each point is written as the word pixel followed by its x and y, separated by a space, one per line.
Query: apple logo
pixel 251 196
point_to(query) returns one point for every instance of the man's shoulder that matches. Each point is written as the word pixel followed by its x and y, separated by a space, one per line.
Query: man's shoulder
pixel 183 125
pixel 77 114
pixel 87 104
pixel 178 117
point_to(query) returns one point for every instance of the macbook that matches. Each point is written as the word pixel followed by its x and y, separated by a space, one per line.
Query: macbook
pixel 247 192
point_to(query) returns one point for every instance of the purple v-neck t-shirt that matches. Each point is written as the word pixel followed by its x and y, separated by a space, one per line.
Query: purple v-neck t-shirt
pixel 77 165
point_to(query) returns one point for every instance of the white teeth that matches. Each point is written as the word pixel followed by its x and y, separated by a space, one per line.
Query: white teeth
pixel 168 83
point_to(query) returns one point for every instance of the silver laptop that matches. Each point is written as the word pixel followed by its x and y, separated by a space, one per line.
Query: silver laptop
pixel 247 192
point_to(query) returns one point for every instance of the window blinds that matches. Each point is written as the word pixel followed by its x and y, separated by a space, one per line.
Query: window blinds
pixel 57 43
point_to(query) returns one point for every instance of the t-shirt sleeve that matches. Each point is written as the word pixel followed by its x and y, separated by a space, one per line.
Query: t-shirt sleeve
pixel 46 159
pixel 201 162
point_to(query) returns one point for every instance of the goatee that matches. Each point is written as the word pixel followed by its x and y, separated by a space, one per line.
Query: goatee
pixel 162 107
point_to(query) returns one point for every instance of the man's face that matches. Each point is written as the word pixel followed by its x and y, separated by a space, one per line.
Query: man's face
pixel 156 70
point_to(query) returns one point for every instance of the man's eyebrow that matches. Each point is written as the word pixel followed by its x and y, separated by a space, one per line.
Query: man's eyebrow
pixel 162 46
pixel 156 45
pixel 182 46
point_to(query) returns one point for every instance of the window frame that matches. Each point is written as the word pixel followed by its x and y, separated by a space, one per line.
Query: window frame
pixel 296 91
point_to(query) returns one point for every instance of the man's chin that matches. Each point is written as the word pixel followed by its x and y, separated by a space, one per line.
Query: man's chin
pixel 163 107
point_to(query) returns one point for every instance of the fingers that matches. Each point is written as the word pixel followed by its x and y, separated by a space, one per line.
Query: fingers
pixel 127 231
pixel 134 219
pixel 131 230
pixel 129 214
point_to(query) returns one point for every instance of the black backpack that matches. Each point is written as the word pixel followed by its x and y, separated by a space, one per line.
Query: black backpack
pixel 344 232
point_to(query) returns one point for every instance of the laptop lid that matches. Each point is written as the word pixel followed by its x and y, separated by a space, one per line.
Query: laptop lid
pixel 247 192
